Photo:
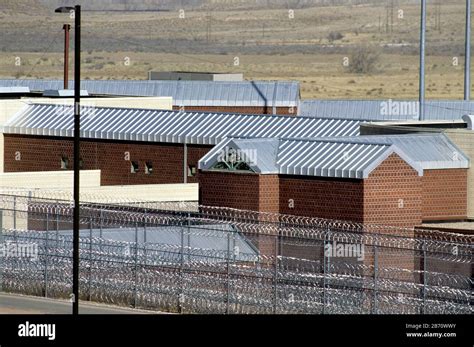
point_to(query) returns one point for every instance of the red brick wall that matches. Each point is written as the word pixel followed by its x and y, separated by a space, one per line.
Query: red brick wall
pixel 445 194
pixel 393 194
pixel 293 111
pixel 374 200
pixel 269 191
pixel 393 197
pixel 44 154
pixel 319 197
pixel 227 189
pixel 195 153
pixel 245 191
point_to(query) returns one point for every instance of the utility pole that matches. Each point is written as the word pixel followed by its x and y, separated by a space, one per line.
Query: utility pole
pixel 422 61
pixel 67 28
pixel 77 109
pixel 467 60
pixel 439 15
pixel 392 8
pixel 208 27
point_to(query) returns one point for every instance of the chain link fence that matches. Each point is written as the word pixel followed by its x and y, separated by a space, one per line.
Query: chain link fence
pixel 180 257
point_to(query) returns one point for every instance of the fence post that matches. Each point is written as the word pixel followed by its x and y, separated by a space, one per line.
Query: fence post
pixel 376 270
pixel 326 264
pixel 275 277
pixel 425 278
pixel 1 260
pixel 90 260
pixel 46 256
pixel 144 239
pixel 57 224
pixel 181 267
pixel 14 213
pixel 228 273
pixel 189 236
pixel 135 289
pixel 101 217
pixel 324 274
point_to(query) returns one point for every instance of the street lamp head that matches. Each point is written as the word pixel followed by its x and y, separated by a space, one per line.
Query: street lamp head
pixel 64 9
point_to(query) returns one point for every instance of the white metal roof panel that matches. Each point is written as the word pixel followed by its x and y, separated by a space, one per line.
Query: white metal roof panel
pixel 169 126
pixel 184 93
pixel 304 157
pixel 375 110
pixel 430 151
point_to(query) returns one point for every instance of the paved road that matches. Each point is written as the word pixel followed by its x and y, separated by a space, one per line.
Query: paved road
pixel 22 304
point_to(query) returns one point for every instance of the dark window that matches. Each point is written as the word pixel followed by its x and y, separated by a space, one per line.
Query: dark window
pixel 191 170
pixel 134 166
pixel 232 160
pixel 148 167
pixel 64 163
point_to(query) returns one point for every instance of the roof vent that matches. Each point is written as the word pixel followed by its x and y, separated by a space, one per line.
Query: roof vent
pixel 469 119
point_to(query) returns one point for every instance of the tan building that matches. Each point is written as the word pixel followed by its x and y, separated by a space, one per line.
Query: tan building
pixel 58 185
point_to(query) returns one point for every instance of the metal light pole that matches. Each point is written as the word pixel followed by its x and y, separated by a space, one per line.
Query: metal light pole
pixel 77 102
pixel 422 60
pixel 467 62
pixel 66 28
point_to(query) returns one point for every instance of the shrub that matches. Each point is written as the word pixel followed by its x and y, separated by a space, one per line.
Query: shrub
pixel 334 36
pixel 363 60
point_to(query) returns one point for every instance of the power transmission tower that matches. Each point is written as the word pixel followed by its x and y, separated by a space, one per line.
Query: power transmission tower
pixel 438 12
pixel 392 9
pixel 208 27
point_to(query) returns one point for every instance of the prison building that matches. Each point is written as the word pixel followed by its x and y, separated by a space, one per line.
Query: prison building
pixel 246 97
pixel 400 181
pixel 460 132
pixel 386 110
pixel 141 146
pixel 194 76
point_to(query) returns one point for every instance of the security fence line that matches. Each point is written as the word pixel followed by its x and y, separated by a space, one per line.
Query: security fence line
pixel 215 260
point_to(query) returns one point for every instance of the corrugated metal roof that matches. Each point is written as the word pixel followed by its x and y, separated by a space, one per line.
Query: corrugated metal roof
pixel 321 158
pixel 386 109
pixel 201 242
pixel 186 93
pixel 334 159
pixel 169 126
pixel 430 151
pixel 36 85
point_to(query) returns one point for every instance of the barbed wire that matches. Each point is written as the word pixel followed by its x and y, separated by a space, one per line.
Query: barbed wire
pixel 187 277
pixel 246 221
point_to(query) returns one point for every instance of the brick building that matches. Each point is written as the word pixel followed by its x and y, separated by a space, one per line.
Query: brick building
pixel 138 146
pixel 460 132
pixel 362 180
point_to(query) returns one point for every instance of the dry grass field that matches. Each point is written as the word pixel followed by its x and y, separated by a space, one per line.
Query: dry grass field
pixel 274 43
